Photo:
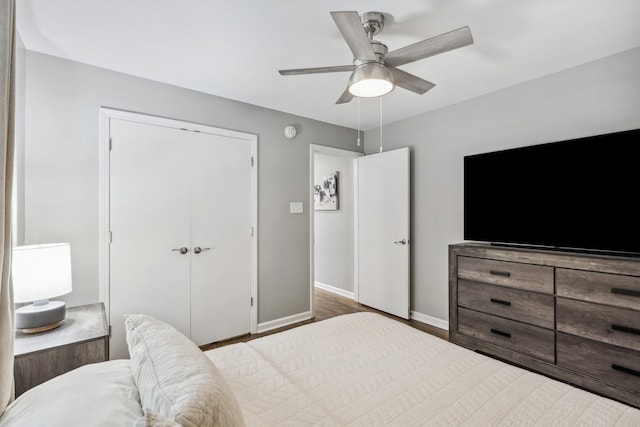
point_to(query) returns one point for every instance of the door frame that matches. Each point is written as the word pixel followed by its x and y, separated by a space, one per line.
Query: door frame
pixel 105 117
pixel 315 149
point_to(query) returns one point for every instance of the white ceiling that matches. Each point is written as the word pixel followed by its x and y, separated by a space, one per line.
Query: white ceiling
pixel 233 48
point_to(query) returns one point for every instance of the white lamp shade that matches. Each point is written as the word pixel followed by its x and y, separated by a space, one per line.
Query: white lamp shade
pixel 41 272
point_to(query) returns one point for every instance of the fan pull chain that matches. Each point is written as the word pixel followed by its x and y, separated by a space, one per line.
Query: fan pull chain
pixel 358 140
pixel 380 123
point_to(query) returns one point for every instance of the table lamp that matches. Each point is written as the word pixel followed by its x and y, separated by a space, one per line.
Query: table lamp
pixel 40 272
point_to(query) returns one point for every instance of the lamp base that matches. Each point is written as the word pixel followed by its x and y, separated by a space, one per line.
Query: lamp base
pixel 39 318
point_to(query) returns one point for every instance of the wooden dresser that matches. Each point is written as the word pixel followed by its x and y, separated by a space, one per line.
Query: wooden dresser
pixel 571 316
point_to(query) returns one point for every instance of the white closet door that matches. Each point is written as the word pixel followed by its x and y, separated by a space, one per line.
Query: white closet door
pixel 220 200
pixel 383 249
pixel 149 218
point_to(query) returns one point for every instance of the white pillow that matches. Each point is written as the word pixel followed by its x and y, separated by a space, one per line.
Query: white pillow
pixel 174 377
pixel 152 419
pixel 99 394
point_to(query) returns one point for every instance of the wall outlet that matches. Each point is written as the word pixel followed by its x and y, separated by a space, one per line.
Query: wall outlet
pixel 296 208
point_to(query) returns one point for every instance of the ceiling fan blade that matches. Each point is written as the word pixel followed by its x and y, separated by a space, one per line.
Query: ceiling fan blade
pixel 350 26
pixel 433 46
pixel 345 97
pixel 410 82
pixel 298 71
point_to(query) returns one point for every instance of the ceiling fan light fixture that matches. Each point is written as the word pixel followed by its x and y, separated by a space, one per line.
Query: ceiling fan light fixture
pixel 370 80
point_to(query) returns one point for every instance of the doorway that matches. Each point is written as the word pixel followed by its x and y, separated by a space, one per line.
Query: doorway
pixel 333 220
pixel 366 256
pixel 179 212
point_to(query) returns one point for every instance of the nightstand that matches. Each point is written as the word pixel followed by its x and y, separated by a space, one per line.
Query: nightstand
pixel 83 338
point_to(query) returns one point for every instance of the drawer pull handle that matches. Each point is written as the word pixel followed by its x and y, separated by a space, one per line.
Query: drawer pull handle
pixel 629 292
pixel 499 332
pixel 499 301
pixel 625 370
pixel 500 273
pixel 626 329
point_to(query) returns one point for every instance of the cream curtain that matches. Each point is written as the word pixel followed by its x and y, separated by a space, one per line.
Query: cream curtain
pixel 7 31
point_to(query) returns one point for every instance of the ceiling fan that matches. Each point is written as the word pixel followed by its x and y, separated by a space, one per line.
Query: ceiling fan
pixel 374 69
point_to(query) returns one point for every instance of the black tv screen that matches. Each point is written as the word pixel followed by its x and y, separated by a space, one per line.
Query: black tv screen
pixel 580 194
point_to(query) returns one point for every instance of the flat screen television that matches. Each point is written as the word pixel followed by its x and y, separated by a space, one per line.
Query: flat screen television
pixel 580 194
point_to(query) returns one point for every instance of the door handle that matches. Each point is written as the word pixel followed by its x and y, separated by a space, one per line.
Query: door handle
pixel 402 242
pixel 198 249
pixel 183 250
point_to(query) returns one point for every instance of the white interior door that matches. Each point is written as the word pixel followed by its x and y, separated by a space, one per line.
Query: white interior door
pixel 172 189
pixel 221 227
pixel 383 234
pixel 149 218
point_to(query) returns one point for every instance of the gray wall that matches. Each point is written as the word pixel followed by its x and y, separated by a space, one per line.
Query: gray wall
pixel 594 98
pixel 61 170
pixel 333 254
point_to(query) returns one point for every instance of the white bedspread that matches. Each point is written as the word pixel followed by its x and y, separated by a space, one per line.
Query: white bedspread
pixel 365 369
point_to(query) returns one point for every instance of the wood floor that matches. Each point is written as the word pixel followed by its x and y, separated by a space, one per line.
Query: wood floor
pixel 327 305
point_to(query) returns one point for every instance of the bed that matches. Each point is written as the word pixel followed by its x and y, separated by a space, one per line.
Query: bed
pixel 359 369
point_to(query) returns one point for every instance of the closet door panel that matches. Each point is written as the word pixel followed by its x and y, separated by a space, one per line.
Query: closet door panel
pixel 220 206
pixel 149 218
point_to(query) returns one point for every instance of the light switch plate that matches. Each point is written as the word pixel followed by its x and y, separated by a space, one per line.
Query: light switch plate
pixel 296 207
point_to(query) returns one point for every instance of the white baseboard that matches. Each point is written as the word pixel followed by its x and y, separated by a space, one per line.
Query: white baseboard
pixel 430 320
pixel 334 290
pixel 283 321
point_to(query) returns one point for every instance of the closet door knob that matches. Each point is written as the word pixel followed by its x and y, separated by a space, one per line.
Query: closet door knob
pixel 183 250
pixel 198 249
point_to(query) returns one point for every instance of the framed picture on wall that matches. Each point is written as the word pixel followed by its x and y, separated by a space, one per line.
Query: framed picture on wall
pixel 325 194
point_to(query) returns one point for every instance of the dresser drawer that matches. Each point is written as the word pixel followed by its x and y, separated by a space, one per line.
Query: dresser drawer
pixel 613 364
pixel 612 325
pixel 529 277
pixel 524 306
pixel 526 339
pixel 604 288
